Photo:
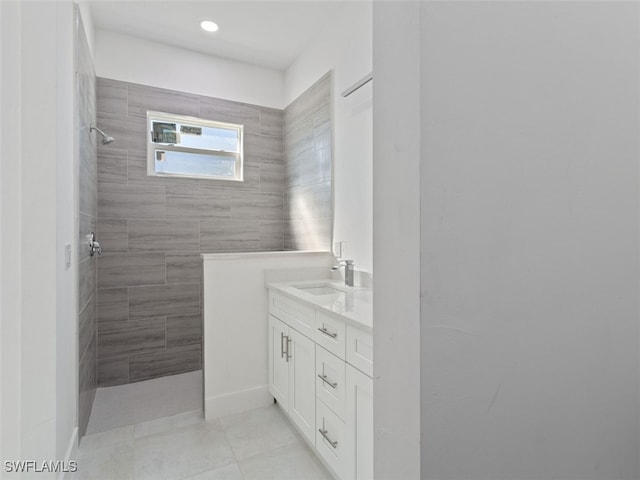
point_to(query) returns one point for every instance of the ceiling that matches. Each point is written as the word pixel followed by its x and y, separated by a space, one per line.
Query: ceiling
pixel 267 33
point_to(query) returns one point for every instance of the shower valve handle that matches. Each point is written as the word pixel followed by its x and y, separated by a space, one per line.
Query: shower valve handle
pixel 94 246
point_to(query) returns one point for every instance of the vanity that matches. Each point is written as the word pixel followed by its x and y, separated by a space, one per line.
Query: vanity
pixel 320 360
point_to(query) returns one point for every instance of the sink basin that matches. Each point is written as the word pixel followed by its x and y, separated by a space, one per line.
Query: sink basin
pixel 319 289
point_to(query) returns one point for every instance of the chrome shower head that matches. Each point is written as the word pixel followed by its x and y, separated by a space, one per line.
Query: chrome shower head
pixel 106 139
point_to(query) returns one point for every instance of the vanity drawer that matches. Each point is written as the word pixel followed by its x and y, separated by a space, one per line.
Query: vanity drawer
pixel 360 349
pixel 293 313
pixel 330 381
pixel 331 440
pixel 330 333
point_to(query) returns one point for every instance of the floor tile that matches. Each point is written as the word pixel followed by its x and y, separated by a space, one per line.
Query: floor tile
pixel 161 425
pixel 139 402
pixel 293 462
pixel 122 435
pixel 106 463
pixel 257 431
pixel 228 472
pixel 182 452
pixel 260 444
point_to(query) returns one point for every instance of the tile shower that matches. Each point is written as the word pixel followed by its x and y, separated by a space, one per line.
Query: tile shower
pixel 153 229
pixel 87 217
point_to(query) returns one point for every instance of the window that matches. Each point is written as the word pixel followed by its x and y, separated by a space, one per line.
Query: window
pixel 182 146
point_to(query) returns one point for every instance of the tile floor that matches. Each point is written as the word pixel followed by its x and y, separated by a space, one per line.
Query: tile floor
pixel 259 444
pixel 143 401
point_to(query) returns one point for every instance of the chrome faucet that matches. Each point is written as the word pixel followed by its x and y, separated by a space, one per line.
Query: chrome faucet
pixel 348 271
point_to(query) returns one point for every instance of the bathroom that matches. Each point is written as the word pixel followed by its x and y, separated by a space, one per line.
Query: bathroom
pixel 169 247
pixel 488 174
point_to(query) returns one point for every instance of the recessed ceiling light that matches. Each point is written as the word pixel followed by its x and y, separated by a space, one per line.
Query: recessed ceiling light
pixel 209 26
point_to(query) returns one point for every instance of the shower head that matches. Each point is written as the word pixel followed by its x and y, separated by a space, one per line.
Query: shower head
pixel 106 139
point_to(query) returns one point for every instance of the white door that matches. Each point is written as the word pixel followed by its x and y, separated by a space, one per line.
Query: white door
pixel 278 361
pixel 302 383
pixel 360 421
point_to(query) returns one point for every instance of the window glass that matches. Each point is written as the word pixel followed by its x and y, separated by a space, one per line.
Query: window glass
pixel 192 147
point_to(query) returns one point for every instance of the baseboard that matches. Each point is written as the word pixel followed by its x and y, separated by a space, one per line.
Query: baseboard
pixel 236 402
pixel 71 455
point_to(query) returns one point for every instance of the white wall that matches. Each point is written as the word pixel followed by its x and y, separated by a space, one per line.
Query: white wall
pixel 130 59
pixel 66 224
pixel 10 280
pixel 396 240
pixel 38 365
pixel 344 46
pixel 87 22
pixel 530 124
pixel 236 324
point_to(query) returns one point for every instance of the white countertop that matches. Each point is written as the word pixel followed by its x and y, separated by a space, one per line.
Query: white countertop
pixel 354 304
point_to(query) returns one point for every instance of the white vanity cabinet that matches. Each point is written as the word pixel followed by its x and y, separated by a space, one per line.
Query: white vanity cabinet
pixel 320 372
pixel 291 374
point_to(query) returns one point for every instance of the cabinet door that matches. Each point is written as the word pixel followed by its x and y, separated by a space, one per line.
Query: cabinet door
pixel 302 383
pixel 278 361
pixel 360 422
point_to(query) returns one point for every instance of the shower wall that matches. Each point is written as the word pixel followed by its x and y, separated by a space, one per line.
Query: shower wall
pixel 308 201
pixel 153 229
pixel 88 212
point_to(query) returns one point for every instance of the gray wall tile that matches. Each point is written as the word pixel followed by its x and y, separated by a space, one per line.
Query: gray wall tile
pixel 142 219
pixel 164 300
pixel 259 148
pixel 307 234
pixel 184 330
pixel 308 170
pixel 131 336
pixel 88 280
pixel 113 235
pixel 87 224
pixel 271 121
pixel 272 235
pixel 130 201
pixel 185 202
pixel 143 98
pixel 112 96
pixel 113 371
pixel 231 112
pixel 130 269
pixel 310 201
pixel 86 384
pixel 272 179
pixel 251 180
pixel 88 176
pixel 112 164
pixel 163 235
pixel 256 206
pixel 87 325
pixel 113 304
pixel 171 362
pixel 229 235
pixel 129 132
pixel 85 116
pixel 184 267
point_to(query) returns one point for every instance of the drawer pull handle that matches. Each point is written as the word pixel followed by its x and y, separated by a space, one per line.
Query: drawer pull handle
pixel 333 443
pixel 327 332
pixel 326 380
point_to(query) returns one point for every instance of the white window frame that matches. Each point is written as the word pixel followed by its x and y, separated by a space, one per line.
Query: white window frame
pixel 152 146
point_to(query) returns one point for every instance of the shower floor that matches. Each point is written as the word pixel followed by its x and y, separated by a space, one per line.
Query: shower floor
pixel 139 402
